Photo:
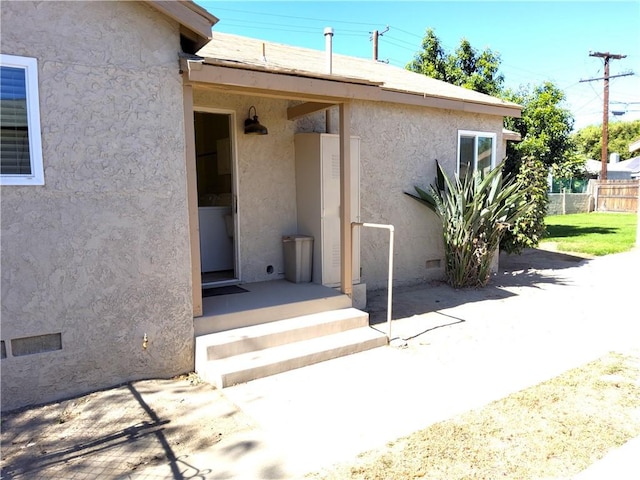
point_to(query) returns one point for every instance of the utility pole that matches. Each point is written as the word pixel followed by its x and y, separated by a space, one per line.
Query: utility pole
pixel 605 114
pixel 374 36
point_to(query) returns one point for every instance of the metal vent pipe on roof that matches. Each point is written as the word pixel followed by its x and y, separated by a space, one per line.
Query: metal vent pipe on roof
pixel 328 46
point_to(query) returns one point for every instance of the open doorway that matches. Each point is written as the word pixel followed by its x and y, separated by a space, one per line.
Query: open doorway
pixel 216 198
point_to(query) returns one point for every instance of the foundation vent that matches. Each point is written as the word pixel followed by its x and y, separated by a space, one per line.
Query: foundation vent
pixel 433 263
pixel 37 344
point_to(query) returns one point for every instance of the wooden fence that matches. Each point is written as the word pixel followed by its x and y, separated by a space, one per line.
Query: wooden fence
pixel 616 195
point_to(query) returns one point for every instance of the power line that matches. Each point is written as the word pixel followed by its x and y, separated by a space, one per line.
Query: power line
pixel 401 41
pixel 292 16
pixel 408 33
pixel 390 41
pixel 410 46
pixel 241 23
pixel 293 29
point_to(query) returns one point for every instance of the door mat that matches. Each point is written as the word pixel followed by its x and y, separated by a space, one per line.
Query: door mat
pixel 226 290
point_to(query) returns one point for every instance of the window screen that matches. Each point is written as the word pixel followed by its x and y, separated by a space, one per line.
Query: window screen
pixel 476 151
pixel 467 148
pixel 14 128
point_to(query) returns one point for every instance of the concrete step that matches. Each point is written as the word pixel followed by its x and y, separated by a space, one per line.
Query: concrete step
pixel 266 301
pixel 225 344
pixel 270 361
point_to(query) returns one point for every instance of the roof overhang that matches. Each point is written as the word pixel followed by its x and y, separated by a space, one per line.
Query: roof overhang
pixel 510 135
pixel 195 22
pixel 634 146
pixel 247 79
pixel 292 86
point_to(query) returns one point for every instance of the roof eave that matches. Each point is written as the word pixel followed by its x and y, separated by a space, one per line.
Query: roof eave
pixel 300 85
pixel 286 71
pixel 505 109
pixel 511 136
pixel 292 86
pixel 195 22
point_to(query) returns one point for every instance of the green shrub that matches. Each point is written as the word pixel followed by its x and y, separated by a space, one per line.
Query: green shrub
pixel 529 228
pixel 475 212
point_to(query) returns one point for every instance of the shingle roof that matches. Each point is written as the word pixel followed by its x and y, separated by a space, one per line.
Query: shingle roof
pixel 247 53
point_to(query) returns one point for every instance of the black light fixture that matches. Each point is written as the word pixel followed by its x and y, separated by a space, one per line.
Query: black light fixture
pixel 252 125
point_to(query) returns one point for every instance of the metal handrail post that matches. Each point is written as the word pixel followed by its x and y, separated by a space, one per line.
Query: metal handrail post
pixel 390 279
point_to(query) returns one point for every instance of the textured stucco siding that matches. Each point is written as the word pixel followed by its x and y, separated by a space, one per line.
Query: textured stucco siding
pixel 266 183
pixel 100 253
pixel 398 148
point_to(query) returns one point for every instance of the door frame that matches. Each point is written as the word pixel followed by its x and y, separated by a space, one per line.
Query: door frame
pixel 233 141
pixel 192 191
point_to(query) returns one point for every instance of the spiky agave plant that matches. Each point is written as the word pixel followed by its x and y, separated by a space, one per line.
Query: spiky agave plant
pixel 475 212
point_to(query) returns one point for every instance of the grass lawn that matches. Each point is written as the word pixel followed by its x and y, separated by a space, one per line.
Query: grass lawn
pixel 592 233
pixel 552 430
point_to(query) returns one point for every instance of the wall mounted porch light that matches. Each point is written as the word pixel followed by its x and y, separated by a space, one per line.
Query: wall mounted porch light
pixel 252 126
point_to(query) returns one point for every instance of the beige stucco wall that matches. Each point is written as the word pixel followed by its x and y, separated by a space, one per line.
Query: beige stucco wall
pixel 265 176
pixel 394 160
pixel 398 148
pixel 100 253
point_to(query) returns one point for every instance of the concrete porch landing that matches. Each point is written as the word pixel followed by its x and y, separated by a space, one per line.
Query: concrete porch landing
pixel 266 302
pixel 275 327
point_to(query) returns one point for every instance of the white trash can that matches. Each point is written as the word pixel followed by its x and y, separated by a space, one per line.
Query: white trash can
pixel 298 257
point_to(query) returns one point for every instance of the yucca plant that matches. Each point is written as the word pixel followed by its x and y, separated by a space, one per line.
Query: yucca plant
pixel 475 212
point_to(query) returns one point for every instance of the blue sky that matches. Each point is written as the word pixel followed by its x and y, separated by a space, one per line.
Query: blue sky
pixel 537 41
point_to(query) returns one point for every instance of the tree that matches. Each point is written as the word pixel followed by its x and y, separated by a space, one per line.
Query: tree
pixel 545 125
pixel 588 140
pixel 545 128
pixel 466 67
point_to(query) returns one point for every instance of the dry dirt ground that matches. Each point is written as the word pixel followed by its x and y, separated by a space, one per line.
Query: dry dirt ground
pixel 114 432
pixel 553 430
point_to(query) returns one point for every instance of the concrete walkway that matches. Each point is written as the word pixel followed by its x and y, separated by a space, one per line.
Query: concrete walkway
pixel 543 314
pixel 464 349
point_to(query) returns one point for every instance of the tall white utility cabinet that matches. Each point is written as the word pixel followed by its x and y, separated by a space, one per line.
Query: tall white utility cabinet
pixel 318 202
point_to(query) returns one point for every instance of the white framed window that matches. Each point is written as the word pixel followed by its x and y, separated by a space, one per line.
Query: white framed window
pixel 20 142
pixel 476 151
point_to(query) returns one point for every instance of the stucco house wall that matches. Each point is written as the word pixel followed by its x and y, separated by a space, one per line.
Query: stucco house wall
pixel 266 181
pixel 399 145
pixel 398 148
pixel 99 255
